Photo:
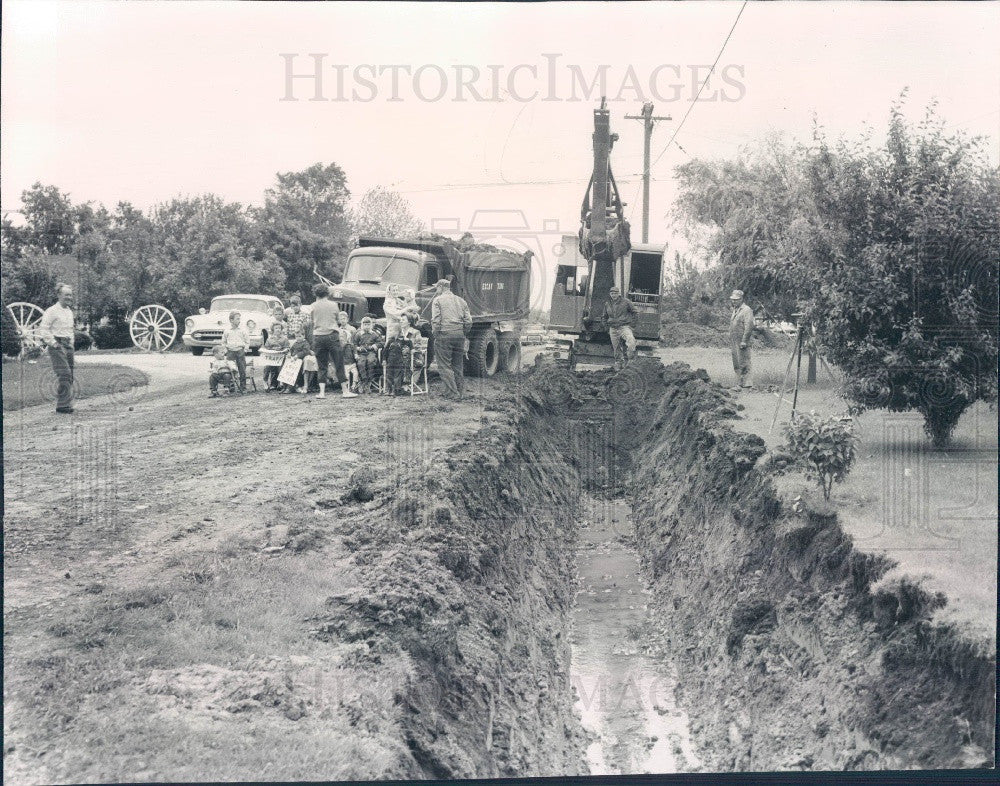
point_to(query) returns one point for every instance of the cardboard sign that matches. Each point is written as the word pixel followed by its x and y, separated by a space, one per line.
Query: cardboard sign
pixel 290 371
pixel 272 357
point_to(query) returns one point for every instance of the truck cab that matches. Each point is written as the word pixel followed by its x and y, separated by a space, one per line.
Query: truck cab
pixel 371 269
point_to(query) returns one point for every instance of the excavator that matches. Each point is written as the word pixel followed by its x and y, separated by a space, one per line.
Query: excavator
pixel 603 257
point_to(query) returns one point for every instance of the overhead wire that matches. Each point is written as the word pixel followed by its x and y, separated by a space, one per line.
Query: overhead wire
pixel 700 89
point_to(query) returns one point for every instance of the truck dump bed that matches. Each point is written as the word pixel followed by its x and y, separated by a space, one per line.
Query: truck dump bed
pixel 495 283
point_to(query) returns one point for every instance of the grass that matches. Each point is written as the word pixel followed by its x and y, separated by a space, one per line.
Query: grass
pixel 27 384
pixel 932 511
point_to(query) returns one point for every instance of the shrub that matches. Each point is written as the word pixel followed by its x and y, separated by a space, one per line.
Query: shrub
pixel 8 334
pixel 112 336
pixel 82 340
pixel 824 447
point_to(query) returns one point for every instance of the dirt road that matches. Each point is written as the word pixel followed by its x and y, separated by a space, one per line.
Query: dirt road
pixel 121 510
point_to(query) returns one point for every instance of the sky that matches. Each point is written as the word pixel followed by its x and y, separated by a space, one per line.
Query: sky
pixel 145 101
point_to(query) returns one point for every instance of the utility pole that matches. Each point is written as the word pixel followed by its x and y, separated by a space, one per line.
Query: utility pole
pixel 648 120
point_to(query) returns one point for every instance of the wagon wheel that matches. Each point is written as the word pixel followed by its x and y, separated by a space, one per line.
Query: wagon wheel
pixel 28 318
pixel 153 328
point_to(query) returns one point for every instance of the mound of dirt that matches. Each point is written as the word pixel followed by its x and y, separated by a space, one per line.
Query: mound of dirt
pixel 789 655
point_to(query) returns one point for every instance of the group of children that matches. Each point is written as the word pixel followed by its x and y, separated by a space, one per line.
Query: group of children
pixel 364 351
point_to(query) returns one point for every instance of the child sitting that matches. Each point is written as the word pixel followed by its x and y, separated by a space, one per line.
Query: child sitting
pixel 220 370
pixel 396 363
pixel 365 346
pixel 275 351
pixel 302 350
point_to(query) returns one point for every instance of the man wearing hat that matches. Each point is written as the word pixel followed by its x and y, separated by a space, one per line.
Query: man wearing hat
pixel 740 327
pixel 620 316
pixel 451 321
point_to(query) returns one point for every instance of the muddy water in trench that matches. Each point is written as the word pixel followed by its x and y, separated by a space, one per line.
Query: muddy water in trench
pixel 625 692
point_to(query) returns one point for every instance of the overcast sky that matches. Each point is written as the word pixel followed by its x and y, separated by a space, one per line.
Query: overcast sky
pixel 144 101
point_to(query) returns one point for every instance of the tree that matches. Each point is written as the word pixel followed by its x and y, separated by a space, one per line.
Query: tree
pixel 207 247
pixel 30 267
pixel 304 223
pixel 691 294
pixel 891 251
pixel 384 213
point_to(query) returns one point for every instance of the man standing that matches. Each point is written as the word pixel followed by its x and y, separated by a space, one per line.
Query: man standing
pixel 326 340
pixel 620 316
pixel 740 327
pixel 451 321
pixel 57 331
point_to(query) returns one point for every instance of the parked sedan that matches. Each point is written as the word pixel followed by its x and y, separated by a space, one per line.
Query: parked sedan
pixel 204 329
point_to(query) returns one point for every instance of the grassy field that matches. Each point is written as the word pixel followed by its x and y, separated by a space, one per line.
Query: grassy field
pixel 932 511
pixel 27 384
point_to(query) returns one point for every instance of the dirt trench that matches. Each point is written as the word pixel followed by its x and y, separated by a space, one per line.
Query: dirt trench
pixel 762 619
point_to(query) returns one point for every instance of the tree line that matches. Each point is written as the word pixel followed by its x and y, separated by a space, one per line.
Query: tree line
pixel 183 252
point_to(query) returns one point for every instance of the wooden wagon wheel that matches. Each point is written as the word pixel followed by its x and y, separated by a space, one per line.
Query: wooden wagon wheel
pixel 153 328
pixel 28 318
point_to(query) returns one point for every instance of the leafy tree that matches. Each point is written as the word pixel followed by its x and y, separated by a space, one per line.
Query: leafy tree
pixel 384 213
pixel 49 228
pixel 692 294
pixel 304 223
pixel 891 251
pixel 207 247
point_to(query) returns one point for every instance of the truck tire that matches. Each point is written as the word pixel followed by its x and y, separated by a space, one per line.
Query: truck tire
pixel 484 354
pixel 510 352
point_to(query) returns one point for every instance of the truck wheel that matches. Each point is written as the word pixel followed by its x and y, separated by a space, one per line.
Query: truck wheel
pixel 484 354
pixel 510 352
pixel 196 351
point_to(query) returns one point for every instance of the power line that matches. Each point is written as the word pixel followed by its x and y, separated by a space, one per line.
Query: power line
pixel 460 186
pixel 711 71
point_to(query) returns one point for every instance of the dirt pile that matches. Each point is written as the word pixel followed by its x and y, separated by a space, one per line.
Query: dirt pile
pixel 466 560
pixel 788 657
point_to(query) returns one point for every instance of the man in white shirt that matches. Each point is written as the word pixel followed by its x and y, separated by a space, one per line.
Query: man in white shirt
pixel 57 332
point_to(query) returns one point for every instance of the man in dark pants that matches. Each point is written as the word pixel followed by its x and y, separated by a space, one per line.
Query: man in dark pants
pixel 57 331
pixel 451 321
pixel 326 340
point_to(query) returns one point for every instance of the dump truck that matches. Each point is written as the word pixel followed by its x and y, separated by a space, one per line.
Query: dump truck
pixel 604 256
pixel 494 282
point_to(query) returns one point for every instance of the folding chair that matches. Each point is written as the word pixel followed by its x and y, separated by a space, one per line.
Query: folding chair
pixel 251 374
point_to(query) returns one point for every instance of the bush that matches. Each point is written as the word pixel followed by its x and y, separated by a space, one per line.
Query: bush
pixel 824 447
pixel 82 340
pixel 112 336
pixel 11 341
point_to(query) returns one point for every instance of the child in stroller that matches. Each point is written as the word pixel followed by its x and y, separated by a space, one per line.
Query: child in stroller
pixel 220 372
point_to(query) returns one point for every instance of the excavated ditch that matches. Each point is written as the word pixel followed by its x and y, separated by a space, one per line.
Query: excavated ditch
pixel 608 560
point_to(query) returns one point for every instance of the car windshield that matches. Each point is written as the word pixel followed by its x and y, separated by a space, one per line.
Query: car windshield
pixel 378 269
pixel 241 304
